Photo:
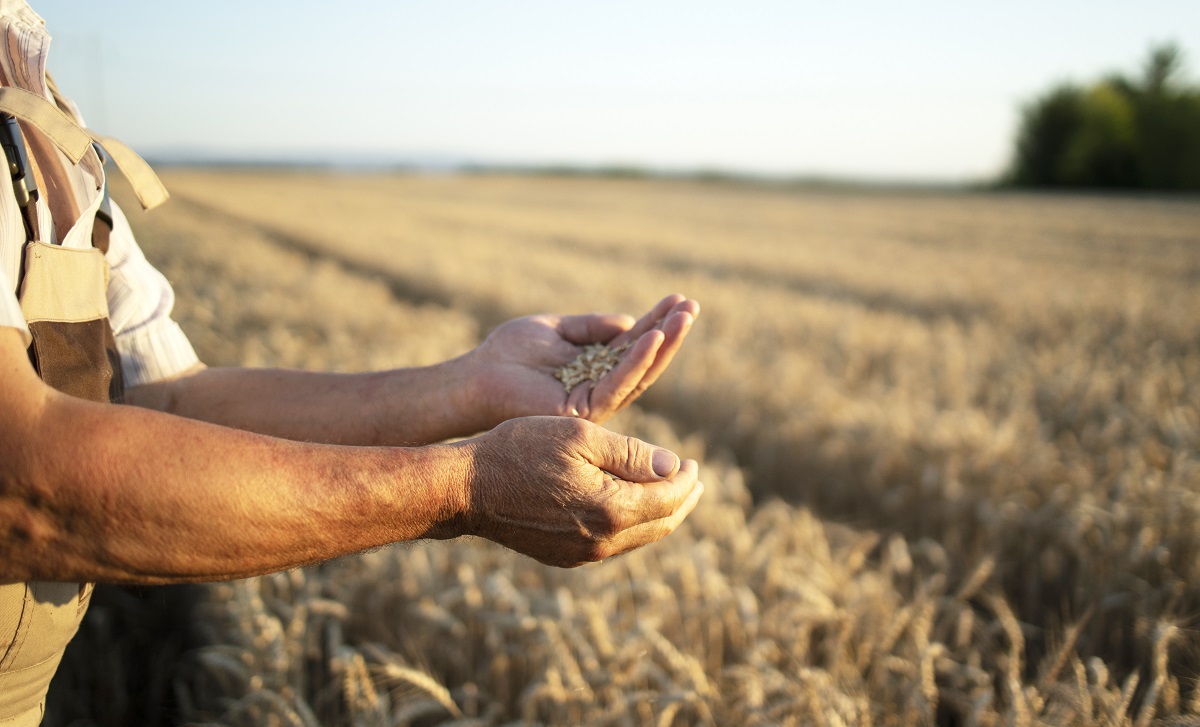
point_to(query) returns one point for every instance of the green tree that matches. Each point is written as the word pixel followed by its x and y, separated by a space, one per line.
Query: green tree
pixel 1103 151
pixel 1046 132
pixel 1117 133
pixel 1169 124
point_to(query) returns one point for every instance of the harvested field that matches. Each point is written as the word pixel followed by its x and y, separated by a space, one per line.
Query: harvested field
pixel 951 443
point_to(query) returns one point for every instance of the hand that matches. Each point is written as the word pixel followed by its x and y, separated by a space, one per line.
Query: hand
pixel 518 360
pixel 567 492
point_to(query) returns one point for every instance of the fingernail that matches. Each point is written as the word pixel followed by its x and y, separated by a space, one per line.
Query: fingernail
pixel 664 462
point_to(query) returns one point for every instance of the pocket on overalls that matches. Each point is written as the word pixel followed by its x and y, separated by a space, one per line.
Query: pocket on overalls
pixel 36 622
pixel 14 622
pixel 63 299
pixel 64 302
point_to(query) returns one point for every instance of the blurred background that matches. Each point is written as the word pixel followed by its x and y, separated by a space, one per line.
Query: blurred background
pixel 950 435
pixel 931 92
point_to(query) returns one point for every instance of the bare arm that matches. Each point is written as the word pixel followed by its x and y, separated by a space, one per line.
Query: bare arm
pixel 122 494
pixel 409 406
pixel 509 375
pixel 116 493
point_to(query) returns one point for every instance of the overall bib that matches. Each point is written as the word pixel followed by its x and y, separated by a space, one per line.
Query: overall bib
pixel 62 292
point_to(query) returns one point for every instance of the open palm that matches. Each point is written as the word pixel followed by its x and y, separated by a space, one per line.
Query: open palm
pixel 518 360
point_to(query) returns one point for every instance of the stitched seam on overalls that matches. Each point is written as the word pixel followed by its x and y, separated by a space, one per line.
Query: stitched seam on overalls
pixel 22 626
pixel 52 657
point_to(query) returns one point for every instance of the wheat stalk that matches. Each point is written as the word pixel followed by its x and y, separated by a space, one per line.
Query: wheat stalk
pixel 1164 634
pixel 391 667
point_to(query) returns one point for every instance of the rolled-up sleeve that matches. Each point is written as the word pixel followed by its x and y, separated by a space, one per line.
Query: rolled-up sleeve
pixel 140 300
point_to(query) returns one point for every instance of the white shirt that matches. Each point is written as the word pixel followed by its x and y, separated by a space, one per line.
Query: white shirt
pixel 152 346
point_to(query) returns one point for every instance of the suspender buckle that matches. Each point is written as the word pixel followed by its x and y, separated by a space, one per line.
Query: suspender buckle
pixel 24 185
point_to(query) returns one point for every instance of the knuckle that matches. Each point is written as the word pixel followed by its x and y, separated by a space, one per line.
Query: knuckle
pixel 610 526
pixel 633 453
pixel 622 394
pixel 605 524
pixel 637 391
pixel 666 528
pixel 574 427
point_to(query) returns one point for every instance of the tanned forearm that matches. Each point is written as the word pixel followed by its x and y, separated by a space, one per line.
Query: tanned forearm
pixel 388 408
pixel 102 492
pixel 116 493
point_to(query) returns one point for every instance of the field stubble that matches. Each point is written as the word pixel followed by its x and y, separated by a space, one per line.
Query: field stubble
pixel 969 424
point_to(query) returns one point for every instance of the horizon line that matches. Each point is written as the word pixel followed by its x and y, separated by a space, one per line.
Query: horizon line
pixel 357 161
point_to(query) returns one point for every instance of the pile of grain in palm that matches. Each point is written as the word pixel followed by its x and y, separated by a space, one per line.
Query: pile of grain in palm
pixel 595 361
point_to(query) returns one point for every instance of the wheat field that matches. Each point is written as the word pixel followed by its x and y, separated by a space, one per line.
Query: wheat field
pixel 951 442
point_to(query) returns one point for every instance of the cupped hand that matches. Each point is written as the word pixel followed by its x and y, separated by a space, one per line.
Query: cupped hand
pixel 567 492
pixel 517 362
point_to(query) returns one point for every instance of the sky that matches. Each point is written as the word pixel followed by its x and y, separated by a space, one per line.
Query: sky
pixel 925 90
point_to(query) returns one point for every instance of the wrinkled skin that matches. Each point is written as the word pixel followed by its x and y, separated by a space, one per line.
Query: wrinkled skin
pixel 583 493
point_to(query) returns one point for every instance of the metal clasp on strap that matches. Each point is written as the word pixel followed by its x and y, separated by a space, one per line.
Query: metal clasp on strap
pixel 23 184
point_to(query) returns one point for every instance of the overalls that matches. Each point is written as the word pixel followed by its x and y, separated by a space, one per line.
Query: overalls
pixel 62 292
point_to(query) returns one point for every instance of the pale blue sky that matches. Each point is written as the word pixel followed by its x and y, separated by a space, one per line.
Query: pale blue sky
pixel 925 90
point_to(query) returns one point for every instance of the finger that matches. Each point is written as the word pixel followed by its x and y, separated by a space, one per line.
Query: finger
pixel 595 328
pixel 674 329
pixel 657 500
pixel 579 400
pixel 688 306
pixel 654 530
pixel 617 385
pixel 628 458
pixel 648 321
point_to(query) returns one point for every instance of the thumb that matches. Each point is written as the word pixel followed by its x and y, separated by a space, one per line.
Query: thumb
pixel 632 459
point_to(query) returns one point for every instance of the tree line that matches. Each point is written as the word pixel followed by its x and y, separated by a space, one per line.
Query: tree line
pixel 1119 133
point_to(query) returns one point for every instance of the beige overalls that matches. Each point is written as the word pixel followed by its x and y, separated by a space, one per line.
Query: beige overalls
pixel 62 292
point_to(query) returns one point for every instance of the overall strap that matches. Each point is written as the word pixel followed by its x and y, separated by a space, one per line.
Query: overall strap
pixel 146 185
pixel 62 291
pixel 148 188
pixel 73 140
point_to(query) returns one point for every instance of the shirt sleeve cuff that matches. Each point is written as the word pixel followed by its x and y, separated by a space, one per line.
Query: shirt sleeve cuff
pixel 155 352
